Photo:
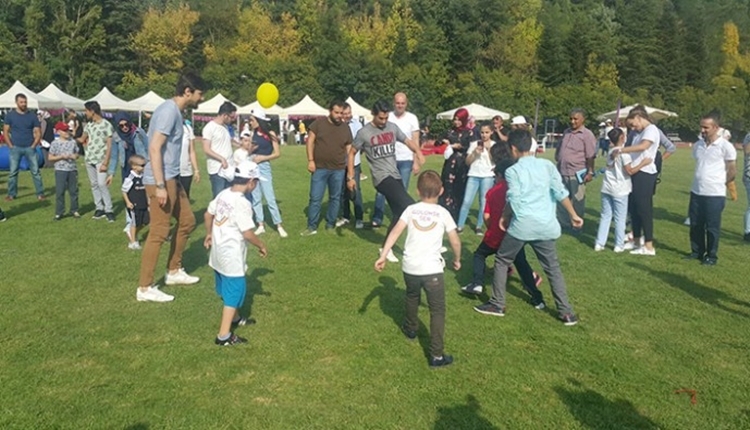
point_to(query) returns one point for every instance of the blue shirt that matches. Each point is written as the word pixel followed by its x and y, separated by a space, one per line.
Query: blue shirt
pixel 22 127
pixel 167 120
pixel 534 188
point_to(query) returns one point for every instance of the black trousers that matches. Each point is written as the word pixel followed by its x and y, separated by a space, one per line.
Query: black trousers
pixel 396 196
pixel 641 205
pixel 186 181
pixel 705 224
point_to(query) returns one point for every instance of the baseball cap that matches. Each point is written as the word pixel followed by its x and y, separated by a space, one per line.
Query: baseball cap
pixel 61 126
pixel 246 169
pixel 259 113
pixel 246 133
pixel 518 120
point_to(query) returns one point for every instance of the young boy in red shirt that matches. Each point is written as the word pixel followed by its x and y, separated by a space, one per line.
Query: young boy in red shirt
pixel 493 210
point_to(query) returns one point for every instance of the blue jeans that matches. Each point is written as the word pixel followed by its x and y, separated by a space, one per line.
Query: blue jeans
pixel 334 179
pixel 404 170
pixel 619 207
pixel 705 224
pixel 15 159
pixel 747 211
pixel 218 184
pixel 474 183
pixel 357 198
pixel 265 190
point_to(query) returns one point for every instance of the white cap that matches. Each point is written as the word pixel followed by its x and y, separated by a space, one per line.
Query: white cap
pixel 518 120
pixel 259 113
pixel 246 169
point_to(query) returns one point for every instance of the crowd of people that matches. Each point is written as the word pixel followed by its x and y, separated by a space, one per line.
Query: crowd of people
pixel 523 199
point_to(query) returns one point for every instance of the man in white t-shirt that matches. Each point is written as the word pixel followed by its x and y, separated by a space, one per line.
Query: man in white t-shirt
pixel 715 167
pixel 217 144
pixel 229 226
pixel 409 125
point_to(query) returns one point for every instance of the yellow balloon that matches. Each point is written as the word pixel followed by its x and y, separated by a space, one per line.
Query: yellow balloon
pixel 267 95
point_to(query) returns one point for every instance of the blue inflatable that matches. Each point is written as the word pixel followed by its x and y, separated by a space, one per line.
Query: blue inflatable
pixel 24 165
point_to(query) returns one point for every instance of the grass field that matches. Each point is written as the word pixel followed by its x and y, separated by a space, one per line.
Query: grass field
pixel 77 350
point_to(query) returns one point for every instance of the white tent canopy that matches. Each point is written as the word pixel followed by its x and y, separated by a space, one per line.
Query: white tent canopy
pixel 476 110
pixel 110 102
pixel 358 110
pixel 212 106
pixel 249 108
pixel 306 107
pixel 147 102
pixel 35 101
pixel 68 101
pixel 654 113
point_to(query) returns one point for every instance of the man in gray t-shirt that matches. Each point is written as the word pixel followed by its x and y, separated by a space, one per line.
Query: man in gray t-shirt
pixel 166 197
pixel 377 140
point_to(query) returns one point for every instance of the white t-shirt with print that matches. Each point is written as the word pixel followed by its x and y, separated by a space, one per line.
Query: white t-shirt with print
pixel 186 168
pixel 650 133
pixel 710 167
pixel 425 225
pixel 482 166
pixel 408 123
pixel 220 142
pixel 233 215
pixel 616 182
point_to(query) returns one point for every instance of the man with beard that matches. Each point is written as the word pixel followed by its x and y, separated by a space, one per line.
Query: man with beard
pixel 166 196
pixel 328 142
pixel 22 132
pixel 97 139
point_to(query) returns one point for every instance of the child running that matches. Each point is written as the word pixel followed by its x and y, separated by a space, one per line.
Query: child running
pixel 63 151
pixel 616 188
pixel 423 265
pixel 229 226
pixel 134 195
pixel 493 237
pixel 534 190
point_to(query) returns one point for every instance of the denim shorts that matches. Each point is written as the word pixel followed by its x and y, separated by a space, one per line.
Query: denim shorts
pixel 231 289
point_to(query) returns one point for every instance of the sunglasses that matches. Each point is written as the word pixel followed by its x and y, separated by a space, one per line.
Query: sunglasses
pixel 124 125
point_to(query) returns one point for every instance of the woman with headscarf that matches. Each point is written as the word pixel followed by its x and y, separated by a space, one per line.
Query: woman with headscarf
pixel 454 169
pixel 128 140
pixel 266 145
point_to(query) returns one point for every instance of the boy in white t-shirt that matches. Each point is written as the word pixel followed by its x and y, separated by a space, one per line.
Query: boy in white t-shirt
pixel 422 264
pixel 616 188
pixel 229 225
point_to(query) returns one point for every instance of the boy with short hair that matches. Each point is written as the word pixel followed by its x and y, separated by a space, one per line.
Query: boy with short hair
pixel 229 225
pixel 534 190
pixel 423 265
pixel 63 151
pixel 136 201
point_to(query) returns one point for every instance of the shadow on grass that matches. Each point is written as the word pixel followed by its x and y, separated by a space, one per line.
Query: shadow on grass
pixel 254 288
pixel 708 295
pixel 30 206
pixel 464 416
pixel 669 216
pixel 392 302
pixel 595 411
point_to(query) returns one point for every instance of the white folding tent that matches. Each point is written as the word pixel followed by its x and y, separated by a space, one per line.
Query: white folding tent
pixel 306 107
pixel 211 106
pixel 68 101
pixel 147 102
pixel 35 101
pixel 110 102
pixel 359 110
pixel 654 113
pixel 476 110
pixel 249 108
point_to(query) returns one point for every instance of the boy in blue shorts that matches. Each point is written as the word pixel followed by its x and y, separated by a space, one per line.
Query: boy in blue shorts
pixel 229 225
pixel 422 264
pixel 530 216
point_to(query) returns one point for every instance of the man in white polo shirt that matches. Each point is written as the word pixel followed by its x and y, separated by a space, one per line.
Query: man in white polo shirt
pixel 714 168
pixel 409 125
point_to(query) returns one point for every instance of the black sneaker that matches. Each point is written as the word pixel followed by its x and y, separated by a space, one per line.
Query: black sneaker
pixel 708 261
pixel 692 256
pixel 98 215
pixel 538 305
pixel 410 334
pixel 490 309
pixel 110 217
pixel 243 321
pixel 443 361
pixel 569 319
pixel 232 340
pixel 3 218
pixel 472 289
pixel 57 217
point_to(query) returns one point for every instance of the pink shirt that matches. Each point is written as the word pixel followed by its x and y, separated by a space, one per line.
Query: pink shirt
pixel 575 148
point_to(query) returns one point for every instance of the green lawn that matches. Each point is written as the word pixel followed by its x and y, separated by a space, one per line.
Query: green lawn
pixel 77 350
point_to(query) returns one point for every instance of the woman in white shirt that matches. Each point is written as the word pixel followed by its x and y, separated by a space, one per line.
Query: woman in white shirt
pixel 480 177
pixel 641 202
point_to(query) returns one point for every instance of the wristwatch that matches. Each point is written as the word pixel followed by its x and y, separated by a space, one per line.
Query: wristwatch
pixel 161 186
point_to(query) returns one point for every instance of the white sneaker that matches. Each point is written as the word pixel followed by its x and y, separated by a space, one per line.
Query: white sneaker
pixel 687 221
pixel 391 256
pixel 281 231
pixel 629 246
pixel 180 278
pixel 644 251
pixel 359 225
pixel 598 248
pixel 260 230
pixel 135 246
pixel 152 294
pixel 619 249
pixel 342 222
